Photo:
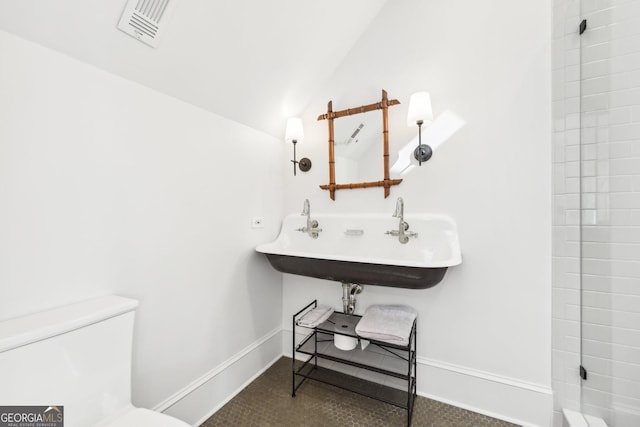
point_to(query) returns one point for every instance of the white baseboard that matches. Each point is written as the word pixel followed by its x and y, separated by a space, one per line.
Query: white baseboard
pixel 497 396
pixel 501 397
pixel 203 397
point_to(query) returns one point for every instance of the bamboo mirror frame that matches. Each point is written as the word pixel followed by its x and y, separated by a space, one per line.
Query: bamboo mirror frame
pixel 330 116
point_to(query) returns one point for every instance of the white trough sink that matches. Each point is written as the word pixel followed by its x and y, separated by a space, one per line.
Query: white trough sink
pixel 354 248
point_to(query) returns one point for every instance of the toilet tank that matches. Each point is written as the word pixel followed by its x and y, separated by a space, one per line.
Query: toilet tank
pixel 77 356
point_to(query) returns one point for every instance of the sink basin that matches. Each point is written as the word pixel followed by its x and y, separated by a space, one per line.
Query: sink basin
pixel 354 248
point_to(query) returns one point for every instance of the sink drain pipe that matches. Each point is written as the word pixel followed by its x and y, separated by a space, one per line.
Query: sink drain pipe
pixel 349 292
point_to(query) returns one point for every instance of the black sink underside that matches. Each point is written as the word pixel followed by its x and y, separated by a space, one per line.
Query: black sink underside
pixel 394 276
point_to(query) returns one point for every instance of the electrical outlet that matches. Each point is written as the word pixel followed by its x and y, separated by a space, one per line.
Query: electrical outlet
pixel 257 222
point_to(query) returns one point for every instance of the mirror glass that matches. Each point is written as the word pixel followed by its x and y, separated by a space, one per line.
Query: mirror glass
pixel 358 147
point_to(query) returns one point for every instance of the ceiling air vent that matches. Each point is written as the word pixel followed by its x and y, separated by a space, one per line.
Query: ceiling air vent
pixel 145 19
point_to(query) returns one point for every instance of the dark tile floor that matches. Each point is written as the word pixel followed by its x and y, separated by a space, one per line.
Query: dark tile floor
pixel 267 402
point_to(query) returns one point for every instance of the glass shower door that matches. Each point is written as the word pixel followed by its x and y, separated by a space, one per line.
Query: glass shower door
pixel 610 210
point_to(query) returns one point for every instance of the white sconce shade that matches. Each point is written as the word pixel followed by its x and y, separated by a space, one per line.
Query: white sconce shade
pixel 294 130
pixel 420 109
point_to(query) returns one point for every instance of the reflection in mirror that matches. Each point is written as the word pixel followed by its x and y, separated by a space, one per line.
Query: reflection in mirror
pixel 357 147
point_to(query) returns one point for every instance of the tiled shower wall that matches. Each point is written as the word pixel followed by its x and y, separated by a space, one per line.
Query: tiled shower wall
pixel 611 210
pixel 566 207
pixel 602 79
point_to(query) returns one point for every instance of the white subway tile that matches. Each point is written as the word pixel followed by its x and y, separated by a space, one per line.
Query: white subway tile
pixel 603 201
pixel 591 6
pixel 596 36
pixel 623 217
pixel 571 41
pixel 624 234
pixel 572 169
pixel 572 105
pixel 615 302
pixel 589 184
pixel 558 209
pixel 620 184
pixel 572 121
pixel 572 217
pixel 572 57
pixel 558 137
pixel 609 351
pixel 603 151
pixel 572 281
pixel 612 368
pixel 599 18
pixel 620 115
pixel 625 200
pixel 602 134
pixel 625 63
pixel 624 81
pixel 624 132
pixel 624 166
pixel 603 183
pixel 588 135
pixel 589 119
pixel 572 201
pixel 557 56
pixel 571 185
pixel 596 52
pixel 620 285
pixel 610 318
pixel 557 84
pixel 572 137
pixel 596 102
pixel 618 386
pixel 557 108
pixel 589 168
pixel 589 151
pixel 588 200
pixel 590 70
pixel 596 85
pixel 557 154
pixel 590 217
pixel 624 98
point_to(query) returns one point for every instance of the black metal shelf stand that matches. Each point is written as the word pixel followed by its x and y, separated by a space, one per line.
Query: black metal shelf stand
pixel 308 353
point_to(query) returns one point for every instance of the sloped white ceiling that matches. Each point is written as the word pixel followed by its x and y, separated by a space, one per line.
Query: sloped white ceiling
pixel 253 61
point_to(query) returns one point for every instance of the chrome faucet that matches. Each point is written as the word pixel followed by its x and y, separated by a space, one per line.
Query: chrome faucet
pixel 399 213
pixel 403 226
pixel 312 225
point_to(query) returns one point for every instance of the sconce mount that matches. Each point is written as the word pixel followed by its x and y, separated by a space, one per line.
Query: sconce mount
pixel 295 133
pixel 304 164
pixel 423 152
pixel 420 112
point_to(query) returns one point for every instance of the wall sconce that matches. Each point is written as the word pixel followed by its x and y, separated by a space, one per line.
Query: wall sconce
pixel 420 113
pixel 295 133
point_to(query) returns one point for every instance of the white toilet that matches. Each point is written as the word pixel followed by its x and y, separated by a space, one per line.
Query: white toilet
pixel 78 357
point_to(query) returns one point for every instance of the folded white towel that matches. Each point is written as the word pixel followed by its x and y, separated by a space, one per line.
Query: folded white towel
pixel 388 323
pixel 316 316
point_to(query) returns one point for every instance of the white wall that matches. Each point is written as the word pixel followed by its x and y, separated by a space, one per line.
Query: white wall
pixel 484 339
pixel 109 187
